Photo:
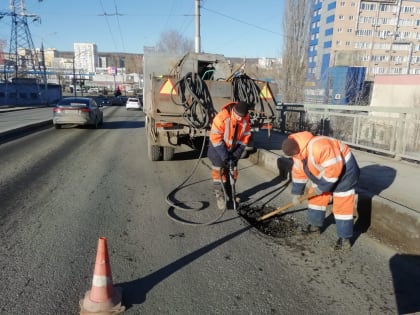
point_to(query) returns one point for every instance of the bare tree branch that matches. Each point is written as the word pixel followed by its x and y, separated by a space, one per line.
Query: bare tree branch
pixel 173 42
pixel 296 28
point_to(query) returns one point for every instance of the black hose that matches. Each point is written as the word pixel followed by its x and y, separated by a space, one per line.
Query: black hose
pixel 196 100
pixel 176 205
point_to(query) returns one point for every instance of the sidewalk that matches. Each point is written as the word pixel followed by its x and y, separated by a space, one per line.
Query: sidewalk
pixel 15 120
pixel 389 195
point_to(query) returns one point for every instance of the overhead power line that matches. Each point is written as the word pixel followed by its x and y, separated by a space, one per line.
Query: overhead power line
pixel 242 22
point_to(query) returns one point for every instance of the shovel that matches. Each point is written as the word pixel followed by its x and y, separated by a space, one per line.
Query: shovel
pixel 285 207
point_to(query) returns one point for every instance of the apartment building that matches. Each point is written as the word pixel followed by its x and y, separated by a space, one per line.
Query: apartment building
pixel 85 57
pixel 381 35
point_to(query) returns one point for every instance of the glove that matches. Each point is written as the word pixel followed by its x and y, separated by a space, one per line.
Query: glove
pixel 238 152
pixel 295 199
pixel 317 191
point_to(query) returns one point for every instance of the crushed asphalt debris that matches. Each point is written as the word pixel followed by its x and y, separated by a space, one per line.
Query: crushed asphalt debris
pixel 278 226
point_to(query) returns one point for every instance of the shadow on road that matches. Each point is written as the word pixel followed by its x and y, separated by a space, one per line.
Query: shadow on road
pixel 122 124
pixel 406 279
pixel 373 180
pixel 134 292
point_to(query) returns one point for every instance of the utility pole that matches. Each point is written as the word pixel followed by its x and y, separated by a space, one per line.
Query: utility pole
pixel 197 27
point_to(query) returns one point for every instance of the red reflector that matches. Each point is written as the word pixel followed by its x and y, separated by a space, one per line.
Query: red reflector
pixel 56 110
pixel 85 110
pixel 164 125
pixel 267 126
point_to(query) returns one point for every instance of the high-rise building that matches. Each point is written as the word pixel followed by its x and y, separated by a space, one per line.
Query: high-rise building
pixel 381 35
pixel 85 57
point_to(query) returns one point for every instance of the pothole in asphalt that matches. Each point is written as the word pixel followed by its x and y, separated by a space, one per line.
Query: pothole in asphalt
pixel 278 226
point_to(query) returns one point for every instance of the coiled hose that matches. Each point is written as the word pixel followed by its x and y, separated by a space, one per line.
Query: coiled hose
pixel 246 90
pixel 170 200
pixel 196 100
pixel 198 111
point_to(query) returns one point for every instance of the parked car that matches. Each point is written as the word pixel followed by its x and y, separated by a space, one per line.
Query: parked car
pixel 133 103
pixel 119 100
pixel 77 111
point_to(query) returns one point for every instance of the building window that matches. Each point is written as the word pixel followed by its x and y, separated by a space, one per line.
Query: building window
pixel 388 8
pixel 331 6
pixel 406 9
pixel 406 22
pixel 341 17
pixel 363 45
pixel 367 19
pixel 387 21
pixel 364 32
pixel 349 30
pixel 330 19
pixel 348 43
pixel 368 6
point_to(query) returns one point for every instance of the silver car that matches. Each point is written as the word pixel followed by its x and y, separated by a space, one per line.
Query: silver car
pixel 77 111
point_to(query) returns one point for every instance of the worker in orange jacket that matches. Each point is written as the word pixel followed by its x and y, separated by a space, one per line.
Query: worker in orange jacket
pixel 229 135
pixel 333 170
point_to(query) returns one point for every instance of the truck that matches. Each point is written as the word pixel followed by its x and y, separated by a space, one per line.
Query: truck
pixel 183 93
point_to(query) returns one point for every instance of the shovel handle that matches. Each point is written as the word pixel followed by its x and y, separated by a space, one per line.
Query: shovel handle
pixel 285 207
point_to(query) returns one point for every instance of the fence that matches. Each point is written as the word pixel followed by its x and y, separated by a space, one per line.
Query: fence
pixel 391 131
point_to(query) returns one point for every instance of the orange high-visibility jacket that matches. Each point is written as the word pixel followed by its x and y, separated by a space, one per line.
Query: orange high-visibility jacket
pixel 326 161
pixel 222 136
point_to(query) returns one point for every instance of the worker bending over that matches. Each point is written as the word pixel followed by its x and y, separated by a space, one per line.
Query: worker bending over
pixel 333 170
pixel 229 135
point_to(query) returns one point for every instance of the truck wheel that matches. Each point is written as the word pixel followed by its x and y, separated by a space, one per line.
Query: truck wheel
pixel 168 153
pixel 154 152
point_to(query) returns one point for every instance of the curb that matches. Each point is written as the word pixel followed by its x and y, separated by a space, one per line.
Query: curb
pixel 388 222
pixel 16 131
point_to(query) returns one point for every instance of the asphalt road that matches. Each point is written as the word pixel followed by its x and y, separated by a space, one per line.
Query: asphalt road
pixel 60 190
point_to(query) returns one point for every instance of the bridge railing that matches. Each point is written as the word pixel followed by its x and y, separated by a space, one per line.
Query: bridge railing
pixel 387 130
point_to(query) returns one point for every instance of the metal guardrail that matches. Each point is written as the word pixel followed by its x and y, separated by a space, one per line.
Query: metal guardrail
pixel 393 131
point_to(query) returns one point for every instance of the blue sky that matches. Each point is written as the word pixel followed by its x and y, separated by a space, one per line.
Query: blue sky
pixel 235 28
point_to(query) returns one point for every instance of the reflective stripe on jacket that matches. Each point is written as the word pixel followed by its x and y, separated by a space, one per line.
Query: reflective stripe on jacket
pixel 326 161
pixel 222 133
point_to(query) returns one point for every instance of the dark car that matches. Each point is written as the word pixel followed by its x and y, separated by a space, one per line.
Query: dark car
pixel 103 100
pixel 77 111
pixel 119 100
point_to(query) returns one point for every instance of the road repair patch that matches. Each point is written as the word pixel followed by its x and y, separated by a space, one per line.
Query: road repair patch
pixel 277 226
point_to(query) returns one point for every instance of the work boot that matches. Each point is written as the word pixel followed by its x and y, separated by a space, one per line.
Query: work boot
pixel 220 198
pixel 311 229
pixel 342 244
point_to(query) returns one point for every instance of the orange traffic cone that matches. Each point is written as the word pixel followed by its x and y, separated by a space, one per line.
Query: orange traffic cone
pixel 103 298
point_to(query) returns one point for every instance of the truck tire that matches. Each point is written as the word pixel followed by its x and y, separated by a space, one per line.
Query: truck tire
pixel 153 151
pixel 168 153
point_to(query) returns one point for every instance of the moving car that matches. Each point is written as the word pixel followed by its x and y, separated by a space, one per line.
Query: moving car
pixel 119 100
pixel 103 100
pixel 77 111
pixel 133 103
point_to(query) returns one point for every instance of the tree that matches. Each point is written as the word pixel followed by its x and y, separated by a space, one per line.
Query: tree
pixel 297 14
pixel 173 42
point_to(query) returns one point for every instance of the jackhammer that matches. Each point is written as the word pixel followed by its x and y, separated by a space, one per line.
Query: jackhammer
pixel 231 168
